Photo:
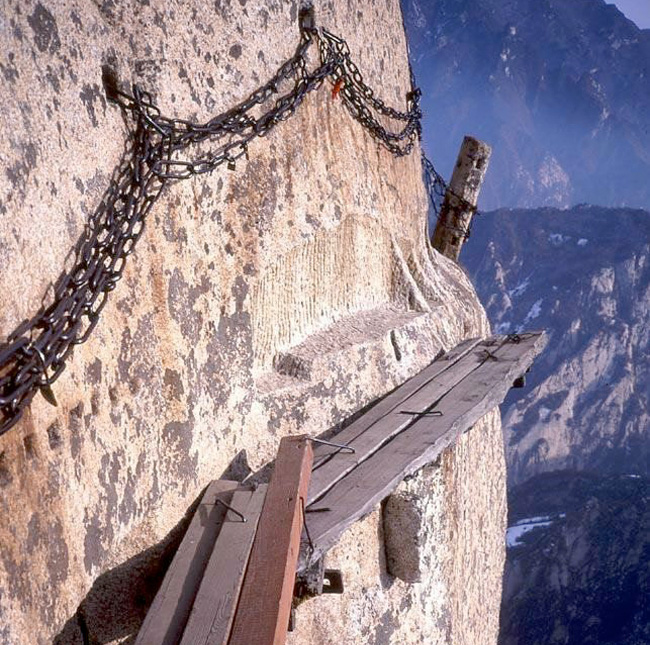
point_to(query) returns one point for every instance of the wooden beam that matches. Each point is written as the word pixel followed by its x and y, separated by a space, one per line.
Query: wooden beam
pixel 171 607
pixel 262 616
pixel 396 397
pixel 421 443
pixel 371 431
pixel 215 603
pixel 461 198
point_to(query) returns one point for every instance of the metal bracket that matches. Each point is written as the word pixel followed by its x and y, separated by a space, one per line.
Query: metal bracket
pixel 342 447
pixel 230 508
pixel 430 413
pixel 306 17
pixel 333 581
pixel 309 583
pixel 317 580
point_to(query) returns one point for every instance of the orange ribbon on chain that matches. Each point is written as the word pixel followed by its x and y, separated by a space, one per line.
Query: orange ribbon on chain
pixel 336 90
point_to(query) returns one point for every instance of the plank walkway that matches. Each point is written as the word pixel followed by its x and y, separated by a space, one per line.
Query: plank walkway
pixel 265 603
pixel 409 429
pixel 387 418
pixel 231 581
pixel 168 614
pixel 214 607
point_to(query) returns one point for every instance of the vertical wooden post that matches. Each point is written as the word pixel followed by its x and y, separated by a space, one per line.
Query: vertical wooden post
pixel 262 616
pixel 461 197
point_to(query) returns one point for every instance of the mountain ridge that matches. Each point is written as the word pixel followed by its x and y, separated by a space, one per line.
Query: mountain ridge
pixel 560 90
pixel 583 275
pixel 584 564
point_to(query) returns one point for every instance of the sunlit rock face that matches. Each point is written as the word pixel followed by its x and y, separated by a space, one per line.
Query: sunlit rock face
pixel 583 275
pixel 275 299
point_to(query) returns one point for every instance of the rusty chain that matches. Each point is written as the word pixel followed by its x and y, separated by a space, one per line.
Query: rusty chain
pixel 35 353
pixel 438 190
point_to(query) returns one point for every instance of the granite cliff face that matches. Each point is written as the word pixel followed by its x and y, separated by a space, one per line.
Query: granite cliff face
pixel 201 361
pixel 561 91
pixel 584 275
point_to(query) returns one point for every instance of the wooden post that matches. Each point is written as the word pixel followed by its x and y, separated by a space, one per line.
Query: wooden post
pixel 461 197
pixel 265 602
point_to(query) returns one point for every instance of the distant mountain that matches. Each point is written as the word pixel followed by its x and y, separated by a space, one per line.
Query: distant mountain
pixel 561 89
pixel 584 276
pixel 578 561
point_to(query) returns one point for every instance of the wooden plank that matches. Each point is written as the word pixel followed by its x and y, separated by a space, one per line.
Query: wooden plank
pixel 395 420
pixel 265 601
pixel 367 485
pixel 168 613
pixel 215 603
pixel 395 398
pixel 328 458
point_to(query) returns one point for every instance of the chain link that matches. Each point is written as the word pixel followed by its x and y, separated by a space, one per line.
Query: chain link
pixel 438 191
pixel 35 353
pixel 435 185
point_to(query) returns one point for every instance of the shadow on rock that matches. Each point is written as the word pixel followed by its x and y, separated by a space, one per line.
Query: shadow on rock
pixel 115 607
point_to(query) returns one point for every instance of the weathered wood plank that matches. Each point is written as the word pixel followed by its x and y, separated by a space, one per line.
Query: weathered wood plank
pixel 364 487
pixel 384 420
pixel 395 421
pixel 394 399
pixel 168 613
pixel 215 603
pixel 264 605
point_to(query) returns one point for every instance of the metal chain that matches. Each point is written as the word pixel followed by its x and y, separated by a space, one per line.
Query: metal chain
pixel 435 185
pixel 438 190
pixel 35 353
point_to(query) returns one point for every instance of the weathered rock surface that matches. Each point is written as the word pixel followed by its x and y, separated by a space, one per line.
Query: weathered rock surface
pixel 584 276
pixel 211 347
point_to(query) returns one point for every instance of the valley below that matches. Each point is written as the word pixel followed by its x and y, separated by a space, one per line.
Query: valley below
pixel 577 436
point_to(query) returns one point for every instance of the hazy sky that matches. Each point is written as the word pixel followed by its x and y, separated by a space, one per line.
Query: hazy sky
pixel 637 10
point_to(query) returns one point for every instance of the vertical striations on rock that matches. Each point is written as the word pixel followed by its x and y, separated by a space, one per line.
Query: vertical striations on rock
pixel 318 233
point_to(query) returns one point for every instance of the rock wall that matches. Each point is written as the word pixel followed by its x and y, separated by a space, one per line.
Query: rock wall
pixel 276 299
